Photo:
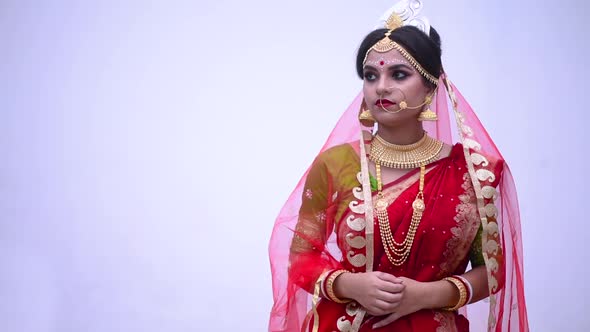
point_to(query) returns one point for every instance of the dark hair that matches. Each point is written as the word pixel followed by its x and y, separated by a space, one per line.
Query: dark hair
pixel 426 50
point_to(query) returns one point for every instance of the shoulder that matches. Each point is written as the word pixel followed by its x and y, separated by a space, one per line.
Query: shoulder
pixel 332 162
pixel 339 153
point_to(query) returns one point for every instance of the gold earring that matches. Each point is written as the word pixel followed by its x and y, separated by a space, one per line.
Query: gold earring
pixel 365 116
pixel 428 115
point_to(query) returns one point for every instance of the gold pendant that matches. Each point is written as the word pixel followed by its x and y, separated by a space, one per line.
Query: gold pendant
pixel 381 205
pixel 419 205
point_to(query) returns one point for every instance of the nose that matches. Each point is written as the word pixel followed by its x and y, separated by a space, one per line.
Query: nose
pixel 382 88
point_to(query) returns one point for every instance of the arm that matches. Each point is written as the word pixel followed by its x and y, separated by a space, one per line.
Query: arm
pixel 443 294
pixel 308 258
pixel 311 263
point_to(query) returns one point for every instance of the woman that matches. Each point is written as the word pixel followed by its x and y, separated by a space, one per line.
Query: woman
pixel 380 234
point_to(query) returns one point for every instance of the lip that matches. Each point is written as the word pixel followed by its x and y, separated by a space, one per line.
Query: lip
pixel 384 103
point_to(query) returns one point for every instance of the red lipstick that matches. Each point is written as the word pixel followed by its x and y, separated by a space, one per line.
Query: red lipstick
pixel 384 103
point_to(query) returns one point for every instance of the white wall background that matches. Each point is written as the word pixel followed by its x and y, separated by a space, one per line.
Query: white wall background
pixel 146 148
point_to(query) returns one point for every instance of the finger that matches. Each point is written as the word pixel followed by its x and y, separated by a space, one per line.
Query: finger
pixel 391 287
pixel 386 321
pixel 375 312
pixel 389 297
pixel 378 308
pixel 389 277
pixel 383 306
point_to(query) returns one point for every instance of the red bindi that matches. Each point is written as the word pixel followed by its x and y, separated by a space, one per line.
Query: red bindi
pixel 382 62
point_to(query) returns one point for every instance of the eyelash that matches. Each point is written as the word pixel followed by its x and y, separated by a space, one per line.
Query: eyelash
pixel 395 76
pixel 367 75
pixel 405 75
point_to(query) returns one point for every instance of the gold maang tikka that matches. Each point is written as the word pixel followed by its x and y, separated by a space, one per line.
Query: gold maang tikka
pixel 386 44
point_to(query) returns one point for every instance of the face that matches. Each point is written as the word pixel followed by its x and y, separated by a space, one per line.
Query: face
pixel 388 80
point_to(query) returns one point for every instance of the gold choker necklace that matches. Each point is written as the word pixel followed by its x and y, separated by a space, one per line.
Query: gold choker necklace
pixel 421 153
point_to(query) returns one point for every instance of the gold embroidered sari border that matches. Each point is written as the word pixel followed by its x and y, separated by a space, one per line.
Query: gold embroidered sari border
pixel 392 193
pixel 369 229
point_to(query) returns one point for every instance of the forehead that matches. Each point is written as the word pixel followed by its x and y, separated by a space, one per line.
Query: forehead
pixel 377 59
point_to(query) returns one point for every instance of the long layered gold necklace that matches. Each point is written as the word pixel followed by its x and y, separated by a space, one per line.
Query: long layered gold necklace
pixel 398 252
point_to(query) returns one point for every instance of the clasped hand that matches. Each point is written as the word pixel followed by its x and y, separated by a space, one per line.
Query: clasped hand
pixel 381 294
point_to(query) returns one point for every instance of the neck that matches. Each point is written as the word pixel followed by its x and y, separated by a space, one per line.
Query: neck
pixel 409 133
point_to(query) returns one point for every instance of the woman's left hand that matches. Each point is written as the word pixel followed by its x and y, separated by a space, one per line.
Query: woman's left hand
pixel 410 302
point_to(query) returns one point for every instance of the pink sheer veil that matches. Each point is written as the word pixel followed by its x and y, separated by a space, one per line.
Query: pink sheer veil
pixel 288 311
pixel 505 310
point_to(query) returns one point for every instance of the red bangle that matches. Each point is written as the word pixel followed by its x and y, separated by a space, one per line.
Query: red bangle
pixel 468 287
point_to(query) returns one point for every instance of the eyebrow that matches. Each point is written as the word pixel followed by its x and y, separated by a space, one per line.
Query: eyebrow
pixel 392 67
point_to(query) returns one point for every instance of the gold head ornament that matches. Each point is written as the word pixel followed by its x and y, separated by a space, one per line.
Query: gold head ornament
pixel 405 12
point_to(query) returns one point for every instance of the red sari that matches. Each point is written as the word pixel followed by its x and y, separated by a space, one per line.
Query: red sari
pixel 441 248
pixel 322 227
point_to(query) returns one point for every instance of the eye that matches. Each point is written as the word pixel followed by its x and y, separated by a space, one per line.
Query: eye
pixel 370 76
pixel 399 75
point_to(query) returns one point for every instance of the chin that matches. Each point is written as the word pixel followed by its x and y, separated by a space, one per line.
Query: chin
pixel 395 120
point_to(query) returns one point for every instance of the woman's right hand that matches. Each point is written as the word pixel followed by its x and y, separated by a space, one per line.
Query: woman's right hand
pixel 378 292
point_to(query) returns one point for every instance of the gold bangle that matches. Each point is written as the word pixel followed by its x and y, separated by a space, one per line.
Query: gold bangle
pixel 462 293
pixel 330 286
